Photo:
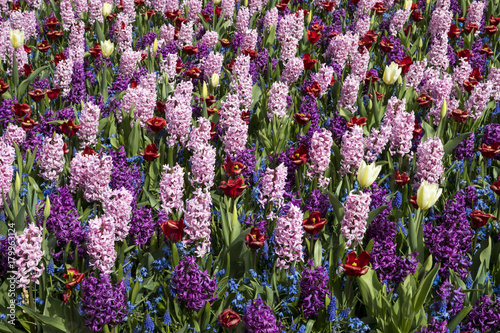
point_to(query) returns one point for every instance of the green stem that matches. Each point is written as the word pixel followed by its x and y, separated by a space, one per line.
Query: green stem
pixel 31 304
pixel 15 73
pixel 71 316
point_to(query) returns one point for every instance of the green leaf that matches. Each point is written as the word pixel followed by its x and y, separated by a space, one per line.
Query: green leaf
pixel 373 214
pixel 425 287
pixel 135 139
pixel 24 85
pixel 338 209
pixel 175 254
pixel 99 33
pixel 458 318
pixel 450 145
pixel 54 322
pixel 20 221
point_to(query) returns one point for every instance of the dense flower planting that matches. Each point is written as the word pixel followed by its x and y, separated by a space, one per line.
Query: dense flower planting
pixel 250 166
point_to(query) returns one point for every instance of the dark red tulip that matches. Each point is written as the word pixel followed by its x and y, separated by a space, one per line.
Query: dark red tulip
pixel 314 223
pixel 27 123
pixel 229 319
pixel 328 6
pixel 73 277
pixel 379 95
pixel 417 16
pixel 424 100
pixel 472 27
pixel 386 45
pixel 413 201
pixel 190 50
pixel 361 121
pixel 96 51
pixel 491 30
pixel 371 78
pixel 231 65
pixel 69 129
pixel 214 110
pixel 313 36
pixel 150 153
pixel 44 46
pixel 156 124
pixel 417 130
pixel 479 219
pixel 490 151
pixel 233 188
pixel 173 230
pixel 368 39
pixel 495 186
pixel 314 89
pixel 407 30
pixel 308 62
pixel 21 110
pixel 379 8
pixel 160 106
pixel 53 93
pixel 302 118
pixel 401 179
pixel 470 84
pixel 282 5
pixel 55 34
pixel 88 151
pixel 224 42
pixel 245 116
pixel 179 20
pixel 52 23
pixel 460 116
pixel 3 87
pixel 486 50
pixel 27 70
pixel 464 54
pixel 405 64
pixel 193 73
pixel 27 49
pixel 37 95
pixel 356 266
pixel 212 130
pixel 171 15
pixel 251 53
pixel 255 239
pixel 233 169
pixel 300 155
pixel 454 32
pixel 65 148
pixel 494 20
pixel 217 11
pixel 58 57
pixel 179 66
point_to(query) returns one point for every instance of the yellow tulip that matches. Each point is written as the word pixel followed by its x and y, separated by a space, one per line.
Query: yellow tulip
pixel 214 80
pixel 444 109
pixel 368 173
pixel 204 91
pixel 17 38
pixel 155 46
pixel 427 195
pixel 107 48
pixel 408 4
pixel 46 210
pixel 106 9
pixel 391 73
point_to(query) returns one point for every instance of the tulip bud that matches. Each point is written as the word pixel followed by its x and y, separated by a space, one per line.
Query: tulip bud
pixel 367 173
pixel 309 17
pixel 444 109
pixel 107 48
pixel 370 104
pixel 17 183
pixel 391 73
pixel 155 46
pixel 16 38
pixel 420 43
pixel 204 90
pixel 245 3
pixel 46 210
pixel 216 2
pixel 408 4
pixel 427 195
pixel 106 9
pixel 214 80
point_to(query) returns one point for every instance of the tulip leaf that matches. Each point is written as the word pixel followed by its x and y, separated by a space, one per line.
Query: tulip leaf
pixel 425 287
pixel 55 322
pixel 338 209
pixel 450 145
pixel 24 85
pixel 458 318
pixel 373 214
pixel 175 254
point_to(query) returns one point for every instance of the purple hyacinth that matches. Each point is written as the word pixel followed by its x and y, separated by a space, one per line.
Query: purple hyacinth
pixel 260 318
pixel 147 40
pixel 485 315
pixel 397 52
pixel 6 114
pixel 453 298
pixel 123 175
pixel 491 134
pixel 313 289
pixel 142 225
pixel 192 286
pixel 120 84
pixel 478 60
pixel 283 157
pixel 339 126
pixel 78 90
pixel 103 303
pixel 435 326
pixel 4 257
pixel 465 149
pixel 247 157
pixel 317 202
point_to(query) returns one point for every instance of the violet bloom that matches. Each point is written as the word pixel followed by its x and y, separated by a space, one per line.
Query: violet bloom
pixel 317 202
pixel 142 224
pixel 485 315
pixel 435 326
pixel 192 286
pixel 465 149
pixel 313 289
pixel 260 318
pixel 103 302
pixel 453 298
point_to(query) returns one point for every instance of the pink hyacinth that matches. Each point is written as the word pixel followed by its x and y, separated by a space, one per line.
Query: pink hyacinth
pixel 67 14
pixel 228 9
pixel 398 20
pixel 249 39
pixel 178 114
pixel 349 92
pixel 62 77
pixel 242 81
pixel 256 5
pixel 364 7
pixel 273 186
pixel 197 220
pixel 292 71
pixel 479 99
pixel 51 160
pixel 359 63
pixel 271 18
pixel 242 19
pixel 7 156
pixel 123 32
pixel 494 81
pixel 171 5
pixel 353 225
pixel 29 254
pixel 289 49
pixel 168 66
pixel 324 78
pixel 213 65
pixel 236 130
pixel 440 91
pixel 416 73
pixel 210 38
pixel 362 25
pixel 290 26
pixel 352 149
pixel 440 23
pixel 25 21
pixel 118 205
pixel 475 13
pixel 199 136
pixel 277 100
pixel 186 34
pixel 92 174
pixel 341 46
pixel 203 166
pixel 77 42
pixel 195 7
pixel 319 154
pixel 14 134
pixel 89 121
pixel 95 11
pixel 402 133
pixel 167 34
pixel 129 61
pixel 81 6
pixel 172 189
pixel 101 243
pixel 429 161
pixel 159 5
pixel 288 235
pixel 461 73
pixel 376 142
pixel 143 98
pixel 438 56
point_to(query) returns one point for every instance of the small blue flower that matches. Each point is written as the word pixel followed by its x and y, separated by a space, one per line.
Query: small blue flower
pixel 166 318
pixel 149 326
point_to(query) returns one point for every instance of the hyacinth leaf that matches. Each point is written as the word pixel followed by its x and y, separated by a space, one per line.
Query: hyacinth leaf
pixel 373 214
pixel 310 325
pixel 271 36
pixel 318 250
pixel 20 221
pixel 175 254
pixel 338 209
pixel 9 328
pixel 450 145
pixel 135 139
pixel 458 318
pixel 207 315
pixel 425 287
pixel 55 322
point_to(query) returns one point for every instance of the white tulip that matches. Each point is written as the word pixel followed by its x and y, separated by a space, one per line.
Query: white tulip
pixel 427 195
pixel 107 48
pixel 106 9
pixel 391 73
pixel 214 80
pixel 17 38
pixel 368 173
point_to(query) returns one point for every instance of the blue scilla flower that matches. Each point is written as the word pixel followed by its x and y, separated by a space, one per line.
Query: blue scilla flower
pixel 2 317
pixel 358 326
pixel 232 285
pixel 401 227
pixel 398 200
pixel 302 329
pixel 332 309
pixel 469 282
pixel 149 326
pixel 144 271
pixel 50 267
pixel 344 313
pixel 166 318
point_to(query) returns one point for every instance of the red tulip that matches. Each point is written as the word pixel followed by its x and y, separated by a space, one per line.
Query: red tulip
pixel 361 121
pixel 490 151
pixel 27 123
pixel 171 15
pixel 370 77
pixel 27 70
pixel 417 130
pixel 460 116
pixel 193 73
pixel 313 36
pixel 401 179
pixel 179 66
pixel 52 23
pixel 218 11
pixel 255 239
pixel 404 64
pixel 160 106
pixel 314 89
pixel 96 51
pixel 229 319
pixel 491 30
pixel 413 201
pixel 233 169
pixel 417 16
pixel 386 46
pixel 314 223
pixel 251 53
pixel 190 50
pixel 368 39
pixel 53 93
pixel 300 155
pixel 379 8
pixel 424 100
pixel 245 116
pixel 356 266
pixel 69 129
pixel 302 118
pixel 224 42
pixel 494 20
pixel 179 20
pixel 233 188
pixel 44 46
pixel 37 95
pixel 472 27
pixel 479 219
pixel 21 110
pixel 73 277
pixel 308 62
pixel 495 187
pixel 173 230
pixel 328 6
pixel 3 87
pixel 486 50
pixel 150 153
pixel 88 151
pixel 454 32
pixel 156 124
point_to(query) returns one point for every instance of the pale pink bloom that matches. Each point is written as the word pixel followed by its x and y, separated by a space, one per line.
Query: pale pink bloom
pixel 33 3
pixel 203 166
pixel 475 13
pixel 277 100
pixel 95 11
pixel 172 189
pixel 195 7
pixel 398 20
pixel 129 61
pixel 92 174
pixel 249 39
pixel 320 152
pixel 200 135
pixel 364 7
pixel 479 98
pixel 159 5
pixel 7 156
pixel 179 117
pixel 429 161
pixel 273 186
pixel 101 243
pixel 289 49
pixel 235 129
pixel 143 98
pixel 123 32
pixel 51 160
pixel 77 42
pixel 352 149
pixel 118 205
pixel 353 225
pixel 197 220
pixel 14 134
pixel 25 21
pixel 324 78
pixel 271 18
pixel 89 121
pixel 440 23
pixel 5 39
pixel 494 81
pixel 440 90
pixel 167 34
pixel 461 73
pixel 67 14
pixel 171 5
pixel 169 65
pixel 186 34
pixel 416 73
pixel 62 76
pixel 242 81
pixel 292 71
pixel 242 19
pixel 29 255
pixel 290 26
pixel 438 56
pixel 228 9
pixel 349 92
pixel 362 25
pixel 376 142
pixel 256 5
pixel 288 235
pixel 81 6
pixel 359 63
pixel 210 39
pixel 341 46
pixel 213 64
pixel 402 133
